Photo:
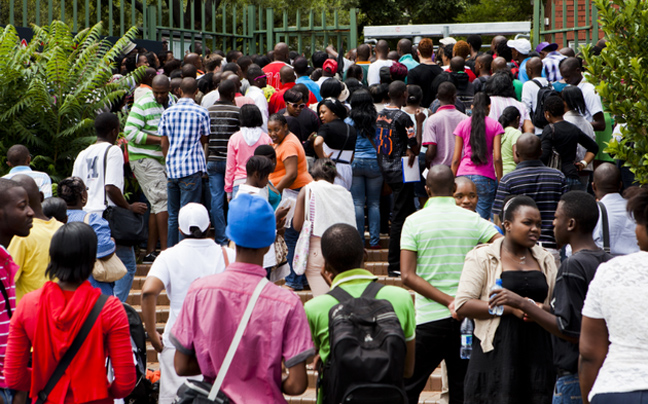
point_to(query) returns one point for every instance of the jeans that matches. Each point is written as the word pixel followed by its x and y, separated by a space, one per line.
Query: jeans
pixel 216 171
pixel 575 184
pixel 567 390
pixel 436 341
pixel 105 287
pixel 366 186
pixel 181 191
pixel 632 397
pixel 293 280
pixel 486 189
pixel 403 207
pixel 7 395
pixel 123 286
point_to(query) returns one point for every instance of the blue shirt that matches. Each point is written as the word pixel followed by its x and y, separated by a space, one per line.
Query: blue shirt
pixel 522 75
pixel 408 61
pixel 184 124
pixel 312 86
pixel 363 149
pixel 105 245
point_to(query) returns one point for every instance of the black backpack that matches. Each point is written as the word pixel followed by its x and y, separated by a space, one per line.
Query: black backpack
pixel 367 351
pixel 144 392
pixel 537 117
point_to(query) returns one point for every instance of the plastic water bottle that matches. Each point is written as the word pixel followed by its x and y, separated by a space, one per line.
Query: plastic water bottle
pixel 466 338
pixel 497 310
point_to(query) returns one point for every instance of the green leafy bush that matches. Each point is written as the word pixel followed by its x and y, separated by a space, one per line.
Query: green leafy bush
pixel 619 74
pixel 52 89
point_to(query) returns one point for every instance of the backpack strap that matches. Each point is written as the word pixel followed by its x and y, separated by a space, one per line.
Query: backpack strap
pixel 605 225
pixel 225 257
pixel 372 290
pixel 73 349
pixel 340 294
pixel 537 83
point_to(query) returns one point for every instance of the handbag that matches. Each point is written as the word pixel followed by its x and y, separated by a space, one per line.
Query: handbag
pixel 302 248
pixel 197 392
pixel 126 227
pixel 555 161
pixel 62 366
pixel 107 269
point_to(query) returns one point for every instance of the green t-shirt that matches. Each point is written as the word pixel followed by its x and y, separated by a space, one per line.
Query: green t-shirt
pixel 517 85
pixel 442 234
pixel 509 138
pixel 354 282
pixel 143 121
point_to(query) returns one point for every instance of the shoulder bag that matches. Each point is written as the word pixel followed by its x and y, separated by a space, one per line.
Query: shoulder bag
pixel 126 227
pixel 62 366
pixel 302 248
pixel 107 269
pixel 605 227
pixel 196 392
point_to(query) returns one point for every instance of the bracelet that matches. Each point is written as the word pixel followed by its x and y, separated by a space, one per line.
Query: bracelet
pixel 584 163
pixel 532 301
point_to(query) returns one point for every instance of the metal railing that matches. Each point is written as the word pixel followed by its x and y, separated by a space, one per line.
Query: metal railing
pixel 250 29
pixel 568 23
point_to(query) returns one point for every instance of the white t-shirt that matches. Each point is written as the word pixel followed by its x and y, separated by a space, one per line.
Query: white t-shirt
pixel 592 100
pixel 373 75
pixel 530 96
pixel 180 265
pixel 617 294
pixel 89 166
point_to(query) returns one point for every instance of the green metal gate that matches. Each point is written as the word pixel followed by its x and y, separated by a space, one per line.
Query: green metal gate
pixel 566 22
pixel 250 29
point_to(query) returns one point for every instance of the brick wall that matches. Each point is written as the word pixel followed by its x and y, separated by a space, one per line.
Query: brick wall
pixel 573 19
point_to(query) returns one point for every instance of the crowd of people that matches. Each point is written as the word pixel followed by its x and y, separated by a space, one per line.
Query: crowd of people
pixel 479 166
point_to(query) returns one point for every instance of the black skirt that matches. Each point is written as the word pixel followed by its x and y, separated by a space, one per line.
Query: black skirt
pixel 519 370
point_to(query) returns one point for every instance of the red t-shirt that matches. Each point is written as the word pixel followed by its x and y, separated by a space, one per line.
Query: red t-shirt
pixel 272 71
pixel 277 99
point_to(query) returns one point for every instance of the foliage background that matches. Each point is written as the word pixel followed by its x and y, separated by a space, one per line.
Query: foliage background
pixel 619 75
pixel 51 91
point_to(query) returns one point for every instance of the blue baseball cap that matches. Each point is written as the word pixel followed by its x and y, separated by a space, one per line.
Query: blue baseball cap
pixel 251 222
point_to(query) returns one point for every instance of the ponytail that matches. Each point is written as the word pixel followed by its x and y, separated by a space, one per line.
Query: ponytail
pixel 481 102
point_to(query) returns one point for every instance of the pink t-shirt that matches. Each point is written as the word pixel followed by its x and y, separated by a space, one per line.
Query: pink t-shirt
pixel 466 166
pixel 238 154
pixel 278 331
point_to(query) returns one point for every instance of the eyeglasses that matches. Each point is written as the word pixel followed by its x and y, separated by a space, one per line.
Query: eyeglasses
pixel 295 105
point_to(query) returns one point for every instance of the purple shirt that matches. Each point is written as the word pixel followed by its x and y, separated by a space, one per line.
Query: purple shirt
pixel 466 166
pixel 439 129
pixel 278 330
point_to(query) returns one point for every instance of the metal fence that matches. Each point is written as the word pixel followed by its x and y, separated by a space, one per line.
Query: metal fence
pixel 188 23
pixel 570 23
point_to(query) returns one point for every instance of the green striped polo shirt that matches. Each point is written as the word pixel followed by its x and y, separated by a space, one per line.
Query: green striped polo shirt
pixel 442 234
pixel 142 121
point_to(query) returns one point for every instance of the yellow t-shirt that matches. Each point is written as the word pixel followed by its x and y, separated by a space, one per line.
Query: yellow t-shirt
pixel 31 254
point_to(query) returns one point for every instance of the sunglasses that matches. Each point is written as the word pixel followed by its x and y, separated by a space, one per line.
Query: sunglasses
pixel 295 105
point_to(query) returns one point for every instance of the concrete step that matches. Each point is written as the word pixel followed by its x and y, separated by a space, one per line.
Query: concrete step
pixel 135 298
pixel 310 397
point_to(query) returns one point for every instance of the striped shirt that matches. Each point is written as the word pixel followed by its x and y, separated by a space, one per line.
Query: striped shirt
pixel 442 234
pixel 551 68
pixel 143 121
pixel 184 124
pixel 7 271
pixel 543 184
pixel 42 180
pixel 224 122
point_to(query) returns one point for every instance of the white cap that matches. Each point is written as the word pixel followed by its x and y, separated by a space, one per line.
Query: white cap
pixel 521 45
pixel 448 41
pixel 193 214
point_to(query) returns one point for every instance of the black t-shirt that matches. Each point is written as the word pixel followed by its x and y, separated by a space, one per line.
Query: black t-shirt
pixel 572 282
pixel 423 75
pixel 565 137
pixel 308 123
pixel 335 135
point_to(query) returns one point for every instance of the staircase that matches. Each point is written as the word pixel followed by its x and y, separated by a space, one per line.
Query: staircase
pixel 376 263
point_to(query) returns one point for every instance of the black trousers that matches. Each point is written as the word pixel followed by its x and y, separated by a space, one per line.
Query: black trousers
pixel 436 341
pixel 403 194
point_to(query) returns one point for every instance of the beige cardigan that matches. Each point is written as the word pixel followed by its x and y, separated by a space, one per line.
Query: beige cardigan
pixel 481 268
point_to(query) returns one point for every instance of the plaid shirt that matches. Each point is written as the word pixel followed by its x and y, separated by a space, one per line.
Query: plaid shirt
pixel 184 124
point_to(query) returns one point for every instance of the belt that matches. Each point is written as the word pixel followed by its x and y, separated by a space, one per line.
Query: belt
pixel 563 373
